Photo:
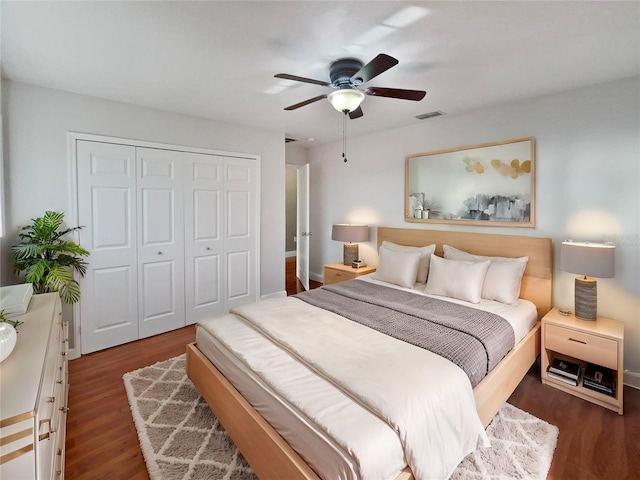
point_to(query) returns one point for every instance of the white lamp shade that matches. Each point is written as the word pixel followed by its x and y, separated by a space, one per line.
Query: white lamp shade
pixel 346 99
pixel 350 233
pixel 590 259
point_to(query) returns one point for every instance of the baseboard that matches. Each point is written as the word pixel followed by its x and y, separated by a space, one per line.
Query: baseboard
pixel 316 277
pixel 632 379
pixel 290 254
pixel 280 294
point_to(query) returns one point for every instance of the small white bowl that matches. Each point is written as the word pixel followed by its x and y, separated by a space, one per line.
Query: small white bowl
pixel 8 338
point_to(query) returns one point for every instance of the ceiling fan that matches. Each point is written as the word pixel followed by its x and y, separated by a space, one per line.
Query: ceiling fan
pixel 347 76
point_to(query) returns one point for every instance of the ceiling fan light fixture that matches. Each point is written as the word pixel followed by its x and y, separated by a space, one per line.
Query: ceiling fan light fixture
pixel 346 99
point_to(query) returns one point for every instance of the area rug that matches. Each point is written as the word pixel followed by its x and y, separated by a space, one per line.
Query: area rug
pixel 181 439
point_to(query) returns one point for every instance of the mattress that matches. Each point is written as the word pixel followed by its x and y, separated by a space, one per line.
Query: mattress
pixel 330 431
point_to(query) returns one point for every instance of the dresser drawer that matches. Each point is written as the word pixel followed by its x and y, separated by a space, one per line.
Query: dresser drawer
pixel 335 276
pixel 583 346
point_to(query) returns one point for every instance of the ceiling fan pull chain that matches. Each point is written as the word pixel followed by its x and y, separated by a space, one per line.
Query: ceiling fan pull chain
pixel 344 136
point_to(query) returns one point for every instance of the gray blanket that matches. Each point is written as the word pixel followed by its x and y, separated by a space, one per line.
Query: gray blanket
pixel 473 339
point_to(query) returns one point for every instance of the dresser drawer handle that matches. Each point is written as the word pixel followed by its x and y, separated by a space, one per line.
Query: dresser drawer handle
pixel 47 434
pixel 577 341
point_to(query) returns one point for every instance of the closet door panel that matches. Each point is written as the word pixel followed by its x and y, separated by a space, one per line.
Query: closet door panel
pixel 240 231
pixel 161 241
pixel 107 209
pixel 172 236
pixel 204 265
pixel 238 264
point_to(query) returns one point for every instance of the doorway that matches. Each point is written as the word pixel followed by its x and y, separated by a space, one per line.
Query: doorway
pixel 297 234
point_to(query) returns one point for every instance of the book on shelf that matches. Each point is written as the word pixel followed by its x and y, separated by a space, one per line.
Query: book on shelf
pixel 562 378
pixel 565 368
pixel 601 379
pixel 599 388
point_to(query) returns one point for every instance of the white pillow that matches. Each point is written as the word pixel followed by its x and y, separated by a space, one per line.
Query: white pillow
pixel 461 280
pixel 504 276
pixel 425 258
pixel 399 268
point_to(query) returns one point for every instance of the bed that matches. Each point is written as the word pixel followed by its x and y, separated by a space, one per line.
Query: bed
pixel 266 450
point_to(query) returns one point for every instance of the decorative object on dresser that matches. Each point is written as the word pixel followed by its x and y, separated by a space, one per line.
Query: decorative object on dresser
pixel 350 234
pixel 8 338
pixel 588 260
pixel 337 272
pixel 14 299
pixel 595 346
pixel 33 414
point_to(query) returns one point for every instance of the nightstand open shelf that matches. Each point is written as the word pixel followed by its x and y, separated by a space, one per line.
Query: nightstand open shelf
pixel 578 390
pixel 599 342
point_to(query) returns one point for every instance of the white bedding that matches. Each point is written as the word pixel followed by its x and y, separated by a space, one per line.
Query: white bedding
pixel 330 431
pixel 333 410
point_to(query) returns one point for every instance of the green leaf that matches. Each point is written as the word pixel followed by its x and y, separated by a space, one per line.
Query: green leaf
pixel 48 259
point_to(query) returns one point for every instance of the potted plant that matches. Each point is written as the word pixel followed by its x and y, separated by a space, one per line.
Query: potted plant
pixel 47 259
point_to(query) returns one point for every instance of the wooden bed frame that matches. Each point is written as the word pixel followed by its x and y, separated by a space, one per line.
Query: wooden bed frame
pixel 270 456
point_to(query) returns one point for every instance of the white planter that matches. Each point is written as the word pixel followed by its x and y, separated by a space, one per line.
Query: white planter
pixel 8 339
pixel 417 213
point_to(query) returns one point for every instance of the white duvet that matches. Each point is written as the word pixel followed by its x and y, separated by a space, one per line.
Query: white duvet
pixel 425 399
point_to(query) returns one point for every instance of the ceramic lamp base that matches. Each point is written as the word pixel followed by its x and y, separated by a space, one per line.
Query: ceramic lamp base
pixel 350 253
pixel 586 298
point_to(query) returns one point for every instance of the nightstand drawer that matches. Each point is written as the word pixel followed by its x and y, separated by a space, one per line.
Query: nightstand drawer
pixel 335 276
pixel 583 346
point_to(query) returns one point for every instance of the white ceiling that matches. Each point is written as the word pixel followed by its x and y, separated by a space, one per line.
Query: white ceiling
pixel 217 59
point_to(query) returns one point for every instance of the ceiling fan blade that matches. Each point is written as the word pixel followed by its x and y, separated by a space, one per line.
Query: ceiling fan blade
pixel 375 67
pixel 415 95
pixel 357 113
pixel 306 102
pixel 295 78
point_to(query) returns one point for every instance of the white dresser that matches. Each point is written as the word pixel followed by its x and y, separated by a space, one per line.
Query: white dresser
pixel 33 395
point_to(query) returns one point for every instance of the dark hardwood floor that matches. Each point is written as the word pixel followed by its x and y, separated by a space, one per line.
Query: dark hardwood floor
pixel 102 442
pixel 293 284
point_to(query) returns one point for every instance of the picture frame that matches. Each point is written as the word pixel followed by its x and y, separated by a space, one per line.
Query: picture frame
pixel 490 184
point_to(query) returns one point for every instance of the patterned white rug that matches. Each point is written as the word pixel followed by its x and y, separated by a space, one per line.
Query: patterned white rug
pixel 181 439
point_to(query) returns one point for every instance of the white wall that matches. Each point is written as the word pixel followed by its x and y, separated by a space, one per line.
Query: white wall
pixel 296 154
pixel 36 122
pixel 587 184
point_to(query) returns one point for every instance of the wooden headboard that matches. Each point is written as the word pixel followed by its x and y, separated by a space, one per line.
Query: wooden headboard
pixel 537 280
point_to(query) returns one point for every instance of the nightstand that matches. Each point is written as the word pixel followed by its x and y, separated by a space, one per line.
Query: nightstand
pixel 337 272
pixel 599 342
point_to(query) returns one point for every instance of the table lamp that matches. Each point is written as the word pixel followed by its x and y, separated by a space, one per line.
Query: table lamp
pixel 589 260
pixel 350 233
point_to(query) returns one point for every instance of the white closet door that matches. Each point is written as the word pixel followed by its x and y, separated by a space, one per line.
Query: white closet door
pixel 240 230
pixel 204 262
pixel 107 211
pixel 160 241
